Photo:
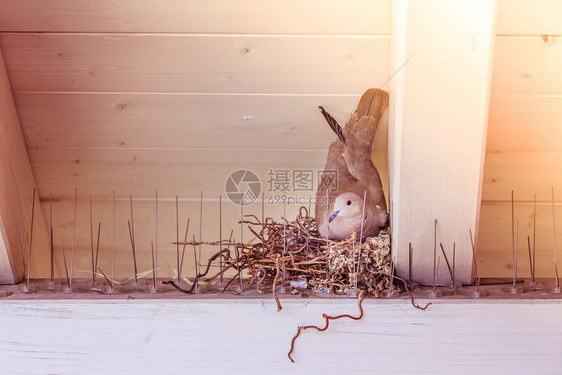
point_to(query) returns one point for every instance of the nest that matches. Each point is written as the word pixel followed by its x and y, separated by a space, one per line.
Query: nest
pixel 292 253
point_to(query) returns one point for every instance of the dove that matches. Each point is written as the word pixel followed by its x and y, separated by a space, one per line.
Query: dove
pixel 358 197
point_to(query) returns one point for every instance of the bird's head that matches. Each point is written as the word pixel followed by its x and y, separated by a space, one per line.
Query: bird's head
pixel 348 209
pixel 348 216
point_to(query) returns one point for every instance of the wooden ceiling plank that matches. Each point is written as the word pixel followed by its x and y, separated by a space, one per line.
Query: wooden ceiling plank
pixel 192 16
pixel 194 64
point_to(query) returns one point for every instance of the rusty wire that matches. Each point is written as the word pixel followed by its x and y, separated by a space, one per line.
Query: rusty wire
pixel 321 265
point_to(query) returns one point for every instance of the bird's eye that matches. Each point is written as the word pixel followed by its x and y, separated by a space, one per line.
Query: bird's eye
pixel 348 203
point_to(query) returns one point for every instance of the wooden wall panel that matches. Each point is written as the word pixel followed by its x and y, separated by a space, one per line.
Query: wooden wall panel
pixel 173 172
pixel 192 16
pixel 154 121
pixel 200 64
pixel 16 198
pixel 495 233
pixel 99 114
pixel 527 66
pixel 529 17
pixel 524 138
pixel 526 173
pixel 144 224
pixel 525 124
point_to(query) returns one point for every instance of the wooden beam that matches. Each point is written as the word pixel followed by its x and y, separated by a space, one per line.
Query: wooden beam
pixel 16 187
pixel 441 53
pixel 216 336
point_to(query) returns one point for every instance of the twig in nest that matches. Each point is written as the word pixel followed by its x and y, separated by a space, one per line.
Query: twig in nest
pixel 172 283
pixel 328 318
pixel 279 307
pixel 411 295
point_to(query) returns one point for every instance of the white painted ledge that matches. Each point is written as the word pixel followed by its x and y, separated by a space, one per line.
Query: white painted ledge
pixel 248 336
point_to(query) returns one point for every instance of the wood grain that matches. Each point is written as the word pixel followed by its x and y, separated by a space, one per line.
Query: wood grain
pixel 529 17
pixel 524 124
pixel 495 237
pixel 144 225
pixel 527 66
pixel 144 336
pixel 437 137
pixel 54 121
pixel 525 173
pixel 191 16
pixel 16 186
pixel 204 64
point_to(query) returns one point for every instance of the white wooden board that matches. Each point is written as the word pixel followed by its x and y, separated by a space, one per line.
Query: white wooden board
pixel 249 336
pixel 442 55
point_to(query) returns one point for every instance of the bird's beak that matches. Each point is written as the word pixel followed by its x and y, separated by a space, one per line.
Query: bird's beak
pixel 334 214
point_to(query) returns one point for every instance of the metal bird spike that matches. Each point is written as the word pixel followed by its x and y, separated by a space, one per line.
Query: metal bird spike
pixel 73 240
pixel 479 276
pixel 228 248
pixel 263 209
pixel 133 248
pixel 30 243
pixel 52 241
pixel 454 256
pixel 220 234
pixel 200 232
pixel 435 277
pixel 410 254
pixel 530 260
pixel 113 257
pixel 103 274
pixel 391 291
pixel 360 238
pixel 516 247
pixel 153 267
pixel 132 234
pixel 92 243
pixel 65 268
pixel 434 254
pixel 514 287
pixel 534 238
pixel 156 241
pixel 177 240
pixel 183 251
pixel 557 288
pixel 284 234
pixel 327 213
pixel 196 280
pixel 97 249
pixel 473 252
pixel 241 242
pixel 21 249
pixel 513 236
pixel 237 262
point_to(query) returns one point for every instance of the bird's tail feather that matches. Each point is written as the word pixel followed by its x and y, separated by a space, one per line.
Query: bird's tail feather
pixel 366 119
pixel 333 124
